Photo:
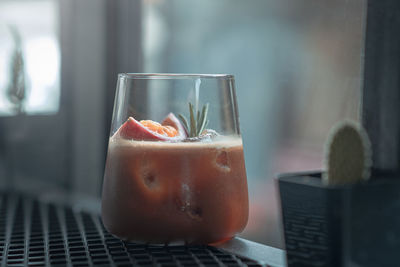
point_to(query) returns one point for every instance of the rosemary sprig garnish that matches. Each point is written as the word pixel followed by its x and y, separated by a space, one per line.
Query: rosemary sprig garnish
pixel 197 123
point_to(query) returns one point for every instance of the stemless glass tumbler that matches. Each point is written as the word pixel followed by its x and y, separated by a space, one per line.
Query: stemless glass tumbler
pixel 175 169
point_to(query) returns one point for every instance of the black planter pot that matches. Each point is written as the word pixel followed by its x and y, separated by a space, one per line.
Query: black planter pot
pixel 352 225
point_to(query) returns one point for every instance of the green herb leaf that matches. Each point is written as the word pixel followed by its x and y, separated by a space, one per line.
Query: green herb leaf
pixel 193 132
pixel 184 122
pixel 198 119
pixel 197 123
pixel 203 118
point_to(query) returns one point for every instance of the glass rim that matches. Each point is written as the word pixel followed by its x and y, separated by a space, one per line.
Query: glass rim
pixel 150 76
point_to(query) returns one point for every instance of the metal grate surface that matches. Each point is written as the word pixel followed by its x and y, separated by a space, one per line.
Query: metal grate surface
pixel 39 234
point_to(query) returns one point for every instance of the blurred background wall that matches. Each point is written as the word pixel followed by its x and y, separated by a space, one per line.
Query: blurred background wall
pixel 296 63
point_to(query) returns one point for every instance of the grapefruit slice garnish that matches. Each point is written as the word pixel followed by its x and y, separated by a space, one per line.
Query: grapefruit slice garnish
pixel 147 130
pixel 154 126
pixel 173 121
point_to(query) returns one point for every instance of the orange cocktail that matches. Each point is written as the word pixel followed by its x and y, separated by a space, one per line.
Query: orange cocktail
pixel 178 180
pixel 161 192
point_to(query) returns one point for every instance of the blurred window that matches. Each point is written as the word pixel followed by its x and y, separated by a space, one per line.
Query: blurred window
pixel 29 57
pixel 297 69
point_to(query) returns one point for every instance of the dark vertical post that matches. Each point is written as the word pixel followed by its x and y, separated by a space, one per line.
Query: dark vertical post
pixel 123 45
pixel 123 50
pixel 381 88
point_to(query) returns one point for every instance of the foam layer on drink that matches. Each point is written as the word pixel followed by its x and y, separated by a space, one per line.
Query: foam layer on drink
pixel 219 142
